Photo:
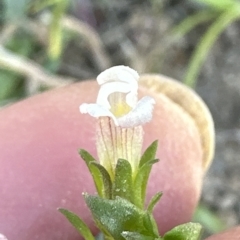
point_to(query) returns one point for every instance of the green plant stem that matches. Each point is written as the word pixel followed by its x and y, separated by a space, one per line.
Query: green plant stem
pixel 206 43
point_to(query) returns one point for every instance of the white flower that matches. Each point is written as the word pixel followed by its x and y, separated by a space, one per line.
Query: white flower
pixel 117 98
pixel 121 116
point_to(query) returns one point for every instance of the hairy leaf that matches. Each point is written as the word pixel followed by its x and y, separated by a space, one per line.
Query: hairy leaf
pixel 123 180
pixel 185 231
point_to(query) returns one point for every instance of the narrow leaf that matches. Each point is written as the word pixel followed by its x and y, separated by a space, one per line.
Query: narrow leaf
pixel 97 176
pixel 123 180
pixel 185 231
pixel 103 175
pixel 140 183
pixel 149 153
pixel 115 216
pixel 78 223
pixel 154 201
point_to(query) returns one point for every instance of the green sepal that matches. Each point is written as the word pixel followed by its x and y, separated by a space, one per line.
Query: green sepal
pixel 185 231
pixel 140 183
pixel 78 223
pixel 103 175
pixel 115 216
pixel 123 184
pixel 149 153
pixel 88 158
pixel 136 236
pixel 99 174
pixel 150 225
pixel 154 200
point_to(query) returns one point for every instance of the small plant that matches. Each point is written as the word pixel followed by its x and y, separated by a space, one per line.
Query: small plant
pixel 122 172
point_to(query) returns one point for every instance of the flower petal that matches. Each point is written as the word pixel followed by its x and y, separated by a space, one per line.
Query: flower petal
pixel 111 87
pixel 97 111
pixel 119 74
pixel 141 114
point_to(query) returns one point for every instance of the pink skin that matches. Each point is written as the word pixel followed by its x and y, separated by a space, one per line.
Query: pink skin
pixel 41 170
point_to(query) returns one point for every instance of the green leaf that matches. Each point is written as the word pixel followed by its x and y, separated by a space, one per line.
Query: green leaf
pixel 149 153
pixel 185 231
pixel 103 175
pixel 98 181
pixel 140 183
pixel 154 201
pixel 123 180
pixel 78 223
pixel 115 216
pixel 219 5
pixel 208 219
pixel 136 236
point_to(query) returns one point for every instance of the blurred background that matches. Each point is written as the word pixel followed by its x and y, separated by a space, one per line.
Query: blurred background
pixel 46 44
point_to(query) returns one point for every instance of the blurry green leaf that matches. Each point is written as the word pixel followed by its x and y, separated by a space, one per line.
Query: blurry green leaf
pixel 123 180
pixel 155 199
pixel 78 223
pixel 149 153
pixel 21 43
pixel 219 4
pixel 206 43
pixel 208 219
pixel 15 10
pixel 140 183
pixel 12 87
pixel 8 84
pixel 191 231
pixel 136 236
pixel 115 216
pixel 192 21
pixel 102 175
pixel 56 31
